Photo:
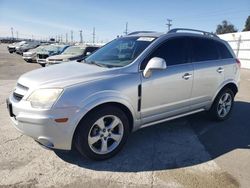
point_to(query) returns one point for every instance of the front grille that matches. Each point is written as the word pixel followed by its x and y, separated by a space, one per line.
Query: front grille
pixel 42 56
pixel 17 96
pixel 22 86
pixel 20 91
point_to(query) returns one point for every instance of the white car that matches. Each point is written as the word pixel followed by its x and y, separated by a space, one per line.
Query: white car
pixel 30 55
pixel 72 53
pixel 48 51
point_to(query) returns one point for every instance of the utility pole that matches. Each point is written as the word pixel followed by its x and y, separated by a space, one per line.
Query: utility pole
pixel 66 37
pixel 17 35
pixel 80 36
pixel 71 32
pixel 169 23
pixel 12 34
pixel 126 29
pixel 93 35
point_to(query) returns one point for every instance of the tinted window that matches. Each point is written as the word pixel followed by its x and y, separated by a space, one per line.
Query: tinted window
pixel 173 51
pixel 224 52
pixel 204 50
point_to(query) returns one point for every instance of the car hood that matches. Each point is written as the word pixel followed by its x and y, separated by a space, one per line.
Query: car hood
pixel 62 56
pixel 63 75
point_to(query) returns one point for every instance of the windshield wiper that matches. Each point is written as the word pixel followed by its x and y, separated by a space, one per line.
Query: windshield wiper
pixel 94 63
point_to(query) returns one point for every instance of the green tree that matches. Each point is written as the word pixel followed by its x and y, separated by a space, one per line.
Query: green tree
pixel 225 27
pixel 247 25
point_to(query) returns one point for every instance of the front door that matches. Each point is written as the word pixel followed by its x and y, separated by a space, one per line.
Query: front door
pixel 167 92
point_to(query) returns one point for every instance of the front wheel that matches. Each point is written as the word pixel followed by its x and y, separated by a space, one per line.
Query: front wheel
pixel 223 104
pixel 102 133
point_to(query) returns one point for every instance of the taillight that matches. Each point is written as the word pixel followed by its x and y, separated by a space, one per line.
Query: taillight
pixel 238 62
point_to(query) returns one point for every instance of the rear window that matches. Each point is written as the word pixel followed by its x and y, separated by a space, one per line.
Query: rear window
pixel 223 50
pixel 204 50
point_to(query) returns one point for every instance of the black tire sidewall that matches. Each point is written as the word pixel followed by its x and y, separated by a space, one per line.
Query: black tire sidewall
pixel 81 139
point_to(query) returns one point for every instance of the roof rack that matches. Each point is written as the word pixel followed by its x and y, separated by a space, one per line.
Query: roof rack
pixel 138 32
pixel 194 30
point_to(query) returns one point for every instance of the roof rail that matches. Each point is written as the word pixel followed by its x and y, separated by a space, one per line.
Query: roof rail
pixel 138 32
pixel 194 30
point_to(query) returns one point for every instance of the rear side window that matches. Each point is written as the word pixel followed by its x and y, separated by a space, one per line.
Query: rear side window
pixel 173 51
pixel 204 50
pixel 223 50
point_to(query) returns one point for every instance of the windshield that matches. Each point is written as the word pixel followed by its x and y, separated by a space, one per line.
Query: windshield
pixel 73 50
pixel 120 52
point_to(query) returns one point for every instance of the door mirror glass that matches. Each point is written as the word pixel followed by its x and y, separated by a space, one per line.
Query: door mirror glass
pixel 88 53
pixel 155 63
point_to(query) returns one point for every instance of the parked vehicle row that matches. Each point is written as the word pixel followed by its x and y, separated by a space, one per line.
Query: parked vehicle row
pixel 51 54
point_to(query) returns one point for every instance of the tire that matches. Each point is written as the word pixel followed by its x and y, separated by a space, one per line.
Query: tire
pixel 223 105
pixel 43 65
pixel 94 132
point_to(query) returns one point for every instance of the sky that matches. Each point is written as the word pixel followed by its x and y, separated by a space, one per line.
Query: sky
pixel 50 18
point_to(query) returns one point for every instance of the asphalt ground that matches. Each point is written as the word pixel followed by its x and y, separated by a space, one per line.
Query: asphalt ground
pixel 189 152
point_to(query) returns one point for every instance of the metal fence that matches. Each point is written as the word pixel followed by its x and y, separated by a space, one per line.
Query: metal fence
pixel 240 43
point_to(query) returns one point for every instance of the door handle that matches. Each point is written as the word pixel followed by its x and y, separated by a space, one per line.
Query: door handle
pixel 220 70
pixel 186 76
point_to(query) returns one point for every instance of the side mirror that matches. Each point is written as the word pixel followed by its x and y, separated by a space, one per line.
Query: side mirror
pixel 155 63
pixel 88 53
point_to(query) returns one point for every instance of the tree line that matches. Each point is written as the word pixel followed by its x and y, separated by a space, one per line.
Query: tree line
pixel 227 27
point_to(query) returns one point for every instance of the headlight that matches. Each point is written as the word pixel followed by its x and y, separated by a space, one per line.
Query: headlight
pixel 44 98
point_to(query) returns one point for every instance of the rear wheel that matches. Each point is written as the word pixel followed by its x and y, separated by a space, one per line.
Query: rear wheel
pixel 223 104
pixel 102 133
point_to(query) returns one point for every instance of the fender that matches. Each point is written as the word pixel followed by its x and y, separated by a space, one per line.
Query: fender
pixel 229 81
pixel 103 97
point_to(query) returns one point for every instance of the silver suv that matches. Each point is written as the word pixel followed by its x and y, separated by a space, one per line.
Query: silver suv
pixel 132 82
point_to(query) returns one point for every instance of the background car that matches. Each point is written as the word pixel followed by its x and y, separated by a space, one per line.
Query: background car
pixel 12 47
pixel 30 55
pixel 27 46
pixel 48 51
pixel 72 53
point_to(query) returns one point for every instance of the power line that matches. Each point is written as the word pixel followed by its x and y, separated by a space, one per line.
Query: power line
pixel 71 33
pixel 169 23
pixel 66 36
pixel 12 34
pixel 93 34
pixel 80 36
pixel 126 29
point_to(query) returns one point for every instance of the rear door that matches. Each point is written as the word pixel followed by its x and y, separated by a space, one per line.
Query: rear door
pixel 208 71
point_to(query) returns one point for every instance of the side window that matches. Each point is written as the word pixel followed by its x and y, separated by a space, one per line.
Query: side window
pixel 223 50
pixel 174 52
pixel 204 50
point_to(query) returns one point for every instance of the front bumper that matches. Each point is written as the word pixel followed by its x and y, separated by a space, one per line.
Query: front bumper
pixel 41 61
pixel 29 58
pixel 41 125
pixel 11 50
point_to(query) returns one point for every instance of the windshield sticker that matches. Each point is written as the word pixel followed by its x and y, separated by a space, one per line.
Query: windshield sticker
pixel 149 39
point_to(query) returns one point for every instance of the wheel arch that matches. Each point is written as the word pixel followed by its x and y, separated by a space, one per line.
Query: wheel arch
pixel 120 105
pixel 231 85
